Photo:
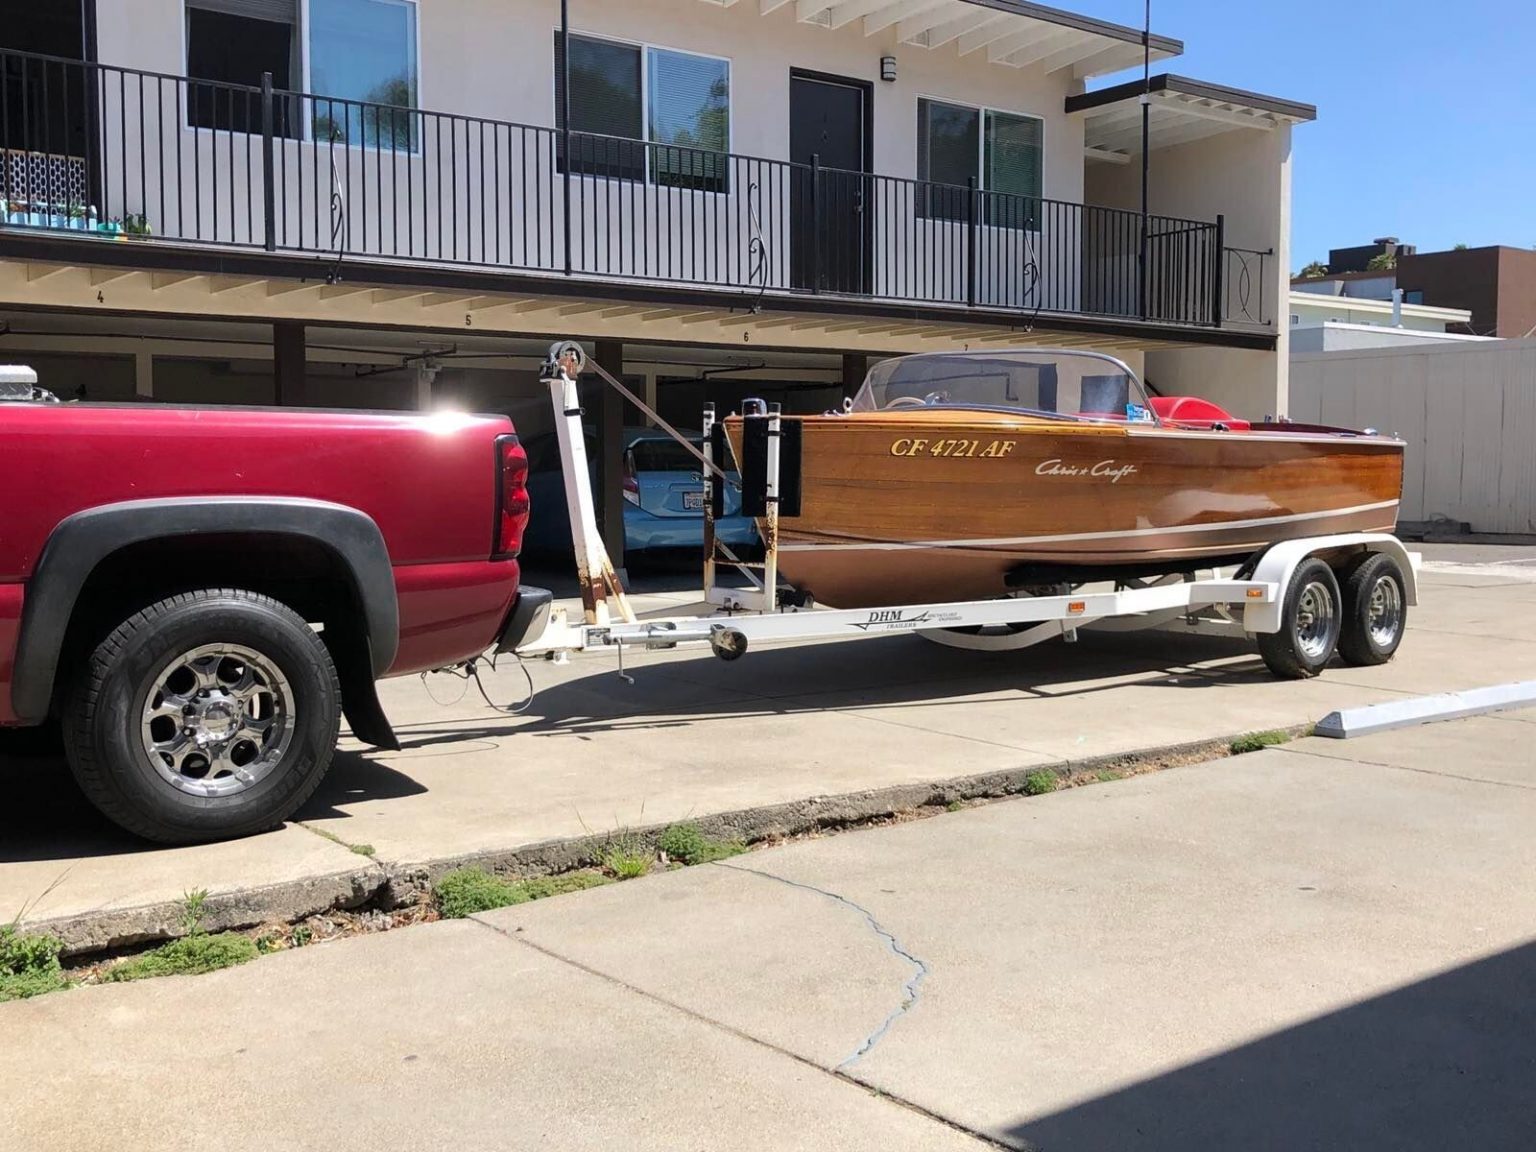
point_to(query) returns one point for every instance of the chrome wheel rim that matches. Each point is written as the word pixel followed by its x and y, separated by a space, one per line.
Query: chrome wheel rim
pixel 217 719
pixel 1385 612
pixel 1316 618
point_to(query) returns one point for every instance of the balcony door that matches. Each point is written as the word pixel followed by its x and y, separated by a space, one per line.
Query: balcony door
pixel 830 216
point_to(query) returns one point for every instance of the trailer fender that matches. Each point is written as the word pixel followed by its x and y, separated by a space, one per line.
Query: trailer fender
pixel 1279 564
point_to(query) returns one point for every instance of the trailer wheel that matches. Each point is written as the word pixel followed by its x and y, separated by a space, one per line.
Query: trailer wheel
pixel 1375 611
pixel 209 715
pixel 1310 622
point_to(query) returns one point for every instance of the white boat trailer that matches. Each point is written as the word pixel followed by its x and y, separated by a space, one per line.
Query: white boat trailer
pixel 1290 589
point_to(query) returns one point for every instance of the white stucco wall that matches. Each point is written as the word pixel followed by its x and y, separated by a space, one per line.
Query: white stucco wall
pixel 501 200
pixel 1244 176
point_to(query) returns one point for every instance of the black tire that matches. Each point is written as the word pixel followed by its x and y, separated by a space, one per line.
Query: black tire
pixel 1306 640
pixel 1375 611
pixel 105 729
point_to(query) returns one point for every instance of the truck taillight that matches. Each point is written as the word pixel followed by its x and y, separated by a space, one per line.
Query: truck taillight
pixel 511 496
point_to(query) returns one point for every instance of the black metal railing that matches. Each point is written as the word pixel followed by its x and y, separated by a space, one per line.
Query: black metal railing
pixel 1245 275
pixel 92 148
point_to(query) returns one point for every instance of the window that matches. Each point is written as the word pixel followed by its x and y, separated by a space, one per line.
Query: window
pixel 365 51
pixel 235 42
pixel 647 113
pixel 353 50
pixel 1001 151
pixel 1413 296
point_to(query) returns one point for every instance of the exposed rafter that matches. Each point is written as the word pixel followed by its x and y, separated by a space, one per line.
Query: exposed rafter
pixel 1013 32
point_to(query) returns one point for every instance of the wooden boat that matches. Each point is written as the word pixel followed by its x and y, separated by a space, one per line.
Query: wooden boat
pixel 959 476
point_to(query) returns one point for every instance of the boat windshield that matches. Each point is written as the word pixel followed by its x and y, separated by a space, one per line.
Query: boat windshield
pixel 1069 385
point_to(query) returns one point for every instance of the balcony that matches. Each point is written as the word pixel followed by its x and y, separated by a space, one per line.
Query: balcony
pixel 100 153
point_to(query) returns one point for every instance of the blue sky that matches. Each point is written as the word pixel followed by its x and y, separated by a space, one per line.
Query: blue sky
pixel 1426 125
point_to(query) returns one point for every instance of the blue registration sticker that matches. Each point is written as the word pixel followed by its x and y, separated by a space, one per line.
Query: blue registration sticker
pixel 1136 414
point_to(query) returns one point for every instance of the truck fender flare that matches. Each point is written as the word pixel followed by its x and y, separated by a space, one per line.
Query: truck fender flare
pixel 82 541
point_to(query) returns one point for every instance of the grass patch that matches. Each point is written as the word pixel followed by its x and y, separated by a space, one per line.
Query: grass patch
pixel 1041 782
pixel 1258 741
pixel 627 865
pixel 465 891
pixel 1106 775
pixel 955 806
pixel 29 965
pixel 686 844
pixel 190 956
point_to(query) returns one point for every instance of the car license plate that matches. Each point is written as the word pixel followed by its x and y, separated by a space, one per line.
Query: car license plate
pixel 693 501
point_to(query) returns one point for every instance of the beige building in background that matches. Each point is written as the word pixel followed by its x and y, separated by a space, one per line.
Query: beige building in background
pixel 367 202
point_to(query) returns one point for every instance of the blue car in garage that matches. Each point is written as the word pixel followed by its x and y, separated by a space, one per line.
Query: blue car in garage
pixel 663 497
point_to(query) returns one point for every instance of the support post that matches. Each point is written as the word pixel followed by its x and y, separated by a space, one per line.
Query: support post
pixel 600 583
pixel 771 520
pixel 708 477
pixel 144 375
pixel 288 362
pixel 268 182
pixel 610 441
pixel 855 368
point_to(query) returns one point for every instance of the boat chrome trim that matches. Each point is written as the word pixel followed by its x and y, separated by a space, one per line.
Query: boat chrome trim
pixel 1120 534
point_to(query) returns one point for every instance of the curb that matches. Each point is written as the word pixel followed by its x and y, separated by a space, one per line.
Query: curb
pixel 392 886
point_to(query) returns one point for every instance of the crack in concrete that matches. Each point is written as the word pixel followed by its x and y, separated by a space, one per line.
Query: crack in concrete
pixel 912 989
pixel 1407 768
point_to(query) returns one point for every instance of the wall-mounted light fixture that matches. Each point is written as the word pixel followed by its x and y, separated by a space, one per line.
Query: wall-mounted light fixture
pixel 888 68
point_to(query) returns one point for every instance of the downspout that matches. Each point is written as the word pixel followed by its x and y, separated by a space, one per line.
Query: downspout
pixel 1146 156
pixel 565 120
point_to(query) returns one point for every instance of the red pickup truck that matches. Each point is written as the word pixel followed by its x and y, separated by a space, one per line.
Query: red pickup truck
pixel 197 594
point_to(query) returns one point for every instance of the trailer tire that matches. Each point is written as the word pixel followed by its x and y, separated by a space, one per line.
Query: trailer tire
pixel 206 716
pixel 1375 611
pixel 1310 621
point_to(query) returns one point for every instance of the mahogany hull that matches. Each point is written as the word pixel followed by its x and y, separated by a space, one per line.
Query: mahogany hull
pixel 910 508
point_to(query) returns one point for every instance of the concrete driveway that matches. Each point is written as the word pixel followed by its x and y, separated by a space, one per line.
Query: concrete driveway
pixel 783 739
pixel 1322 946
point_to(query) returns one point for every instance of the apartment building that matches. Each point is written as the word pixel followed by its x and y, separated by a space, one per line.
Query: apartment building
pixel 399 203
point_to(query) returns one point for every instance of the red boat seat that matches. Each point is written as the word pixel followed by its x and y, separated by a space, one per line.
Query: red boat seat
pixel 1193 412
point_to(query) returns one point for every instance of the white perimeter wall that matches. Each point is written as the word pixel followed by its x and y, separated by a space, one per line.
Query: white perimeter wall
pixel 1467 412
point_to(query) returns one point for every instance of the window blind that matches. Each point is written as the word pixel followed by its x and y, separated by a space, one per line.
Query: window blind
pixel 278 11
pixel 947 144
pixel 689 108
pixel 606 102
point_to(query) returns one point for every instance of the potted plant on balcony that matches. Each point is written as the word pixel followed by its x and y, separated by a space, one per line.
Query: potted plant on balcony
pixel 112 228
pixel 136 226
pixel 79 217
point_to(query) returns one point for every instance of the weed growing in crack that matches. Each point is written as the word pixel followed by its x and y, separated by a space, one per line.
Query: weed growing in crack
pixel 1039 783
pixel 29 965
pixel 194 908
pixel 1106 775
pixel 190 956
pixel 1258 741
pixel 955 806
pixel 627 865
pixel 465 891
pixel 686 844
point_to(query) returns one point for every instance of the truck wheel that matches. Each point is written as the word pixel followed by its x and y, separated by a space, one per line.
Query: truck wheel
pixel 209 715
pixel 1309 624
pixel 1375 611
